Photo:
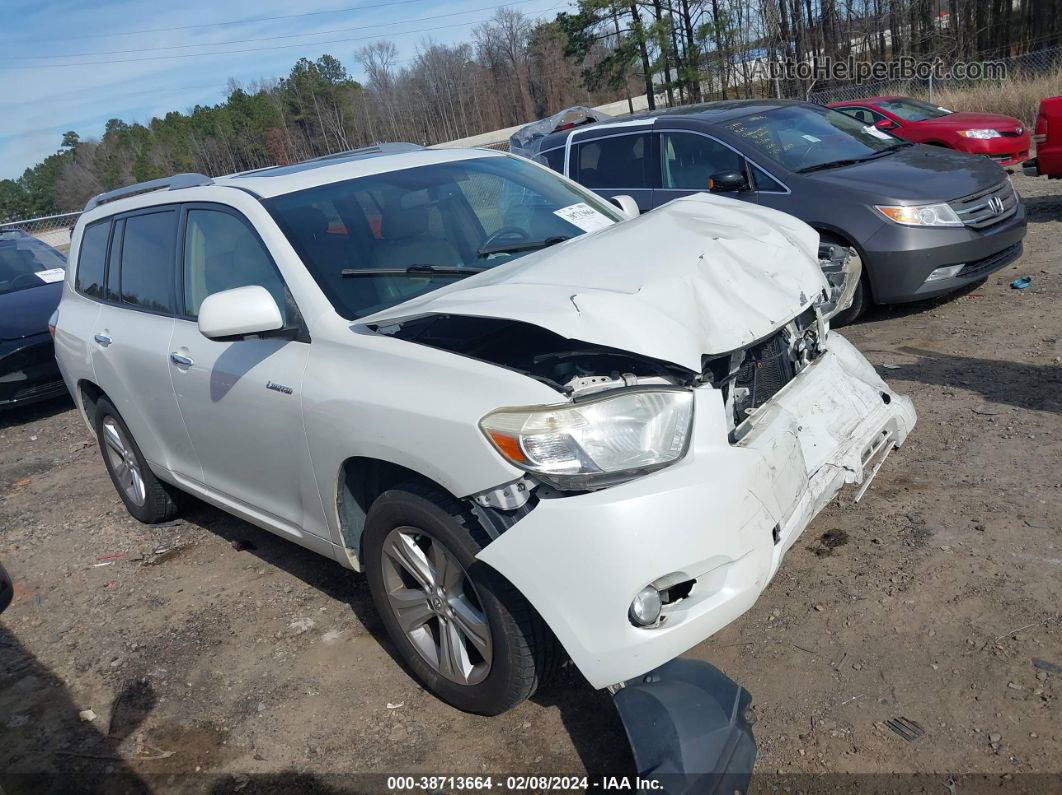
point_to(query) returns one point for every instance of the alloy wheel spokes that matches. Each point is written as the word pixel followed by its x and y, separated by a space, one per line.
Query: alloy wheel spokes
pixel 436 605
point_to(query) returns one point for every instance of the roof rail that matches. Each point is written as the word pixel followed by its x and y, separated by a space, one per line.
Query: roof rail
pixel 376 149
pixel 166 183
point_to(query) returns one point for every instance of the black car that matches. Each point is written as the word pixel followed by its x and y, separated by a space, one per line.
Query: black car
pixel 7 591
pixel 924 220
pixel 31 282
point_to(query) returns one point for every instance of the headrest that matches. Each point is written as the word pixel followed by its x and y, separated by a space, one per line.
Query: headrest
pixel 398 222
pixel 308 222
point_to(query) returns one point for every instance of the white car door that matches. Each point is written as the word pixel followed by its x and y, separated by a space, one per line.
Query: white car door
pixel 131 331
pixel 241 399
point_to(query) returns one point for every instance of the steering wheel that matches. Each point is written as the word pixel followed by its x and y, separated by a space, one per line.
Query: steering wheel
pixel 505 231
pixel 26 280
pixel 803 156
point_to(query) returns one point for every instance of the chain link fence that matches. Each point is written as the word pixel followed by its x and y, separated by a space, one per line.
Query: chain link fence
pixel 51 229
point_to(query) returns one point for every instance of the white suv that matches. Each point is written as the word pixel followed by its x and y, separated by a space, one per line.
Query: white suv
pixel 535 421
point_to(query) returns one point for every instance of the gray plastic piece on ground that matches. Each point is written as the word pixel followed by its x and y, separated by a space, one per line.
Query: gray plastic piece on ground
pixel 687 728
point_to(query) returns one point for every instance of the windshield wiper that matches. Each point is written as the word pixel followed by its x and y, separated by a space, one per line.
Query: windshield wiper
pixel 526 245
pixel 838 163
pixel 888 150
pixel 830 164
pixel 412 270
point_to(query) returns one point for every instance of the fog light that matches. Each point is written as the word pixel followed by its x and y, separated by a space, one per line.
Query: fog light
pixel 945 273
pixel 645 609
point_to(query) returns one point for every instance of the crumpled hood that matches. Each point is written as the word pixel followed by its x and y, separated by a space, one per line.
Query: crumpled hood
pixel 702 275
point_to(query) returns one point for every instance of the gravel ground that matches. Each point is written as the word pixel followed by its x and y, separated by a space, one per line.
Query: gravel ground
pixel 209 665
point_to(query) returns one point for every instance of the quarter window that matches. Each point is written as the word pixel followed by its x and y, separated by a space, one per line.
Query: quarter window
pixel 689 160
pixel 147 260
pixel 91 259
pixel 222 253
pixel 618 162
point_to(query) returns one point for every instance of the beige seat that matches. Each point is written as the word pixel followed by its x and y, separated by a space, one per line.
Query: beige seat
pixel 407 241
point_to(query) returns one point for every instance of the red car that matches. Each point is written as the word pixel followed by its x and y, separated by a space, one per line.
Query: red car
pixel 1048 137
pixel 1002 138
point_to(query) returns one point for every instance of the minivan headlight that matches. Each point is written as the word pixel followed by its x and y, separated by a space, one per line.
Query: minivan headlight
pixel 921 214
pixel 596 442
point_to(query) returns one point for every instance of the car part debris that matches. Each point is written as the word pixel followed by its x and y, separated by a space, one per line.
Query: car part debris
pixel 906 728
pixel 687 728
pixel 1044 665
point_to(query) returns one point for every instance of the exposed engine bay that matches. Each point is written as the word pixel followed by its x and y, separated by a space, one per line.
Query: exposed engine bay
pixel 747 377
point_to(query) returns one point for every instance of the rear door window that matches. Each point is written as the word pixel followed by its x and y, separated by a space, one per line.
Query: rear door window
pixel 620 162
pixel 91 259
pixel 148 249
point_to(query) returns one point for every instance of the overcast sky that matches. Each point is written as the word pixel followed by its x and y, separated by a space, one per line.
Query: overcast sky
pixel 42 95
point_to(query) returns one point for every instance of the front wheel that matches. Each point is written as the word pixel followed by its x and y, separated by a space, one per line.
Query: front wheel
pixel 463 630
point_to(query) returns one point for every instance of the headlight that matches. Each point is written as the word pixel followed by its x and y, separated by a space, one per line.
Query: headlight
pixel 921 215
pixel 982 135
pixel 593 443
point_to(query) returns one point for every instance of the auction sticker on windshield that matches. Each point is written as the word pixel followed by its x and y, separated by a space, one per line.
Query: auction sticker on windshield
pixel 584 216
pixel 51 275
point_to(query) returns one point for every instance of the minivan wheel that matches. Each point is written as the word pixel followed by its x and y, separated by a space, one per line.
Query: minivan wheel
pixel 462 629
pixel 145 496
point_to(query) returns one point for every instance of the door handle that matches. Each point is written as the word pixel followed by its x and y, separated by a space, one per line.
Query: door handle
pixel 102 339
pixel 181 361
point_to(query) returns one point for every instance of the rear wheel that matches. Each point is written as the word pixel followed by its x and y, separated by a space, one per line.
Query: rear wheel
pixel 463 630
pixel 145 496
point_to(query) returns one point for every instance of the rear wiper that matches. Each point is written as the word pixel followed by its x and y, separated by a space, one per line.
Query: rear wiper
pixel 527 245
pixel 412 270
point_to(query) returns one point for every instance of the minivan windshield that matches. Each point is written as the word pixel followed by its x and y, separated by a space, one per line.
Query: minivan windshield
pixel 804 138
pixel 912 109
pixel 375 241
pixel 27 262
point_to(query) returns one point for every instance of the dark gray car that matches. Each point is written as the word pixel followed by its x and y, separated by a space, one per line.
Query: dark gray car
pixel 924 220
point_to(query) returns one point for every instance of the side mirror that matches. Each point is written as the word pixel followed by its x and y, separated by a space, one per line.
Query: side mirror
pixel 627 204
pixel 727 182
pixel 885 124
pixel 239 312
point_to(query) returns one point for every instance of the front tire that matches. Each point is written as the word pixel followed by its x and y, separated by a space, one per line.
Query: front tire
pixel 146 497
pixel 462 629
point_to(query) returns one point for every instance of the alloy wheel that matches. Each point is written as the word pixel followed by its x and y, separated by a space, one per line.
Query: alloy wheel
pixel 123 462
pixel 436 605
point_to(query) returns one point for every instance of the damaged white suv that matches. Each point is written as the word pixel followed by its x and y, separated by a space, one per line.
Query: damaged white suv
pixel 537 422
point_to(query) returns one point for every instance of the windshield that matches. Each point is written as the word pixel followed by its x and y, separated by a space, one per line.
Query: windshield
pixel 802 137
pixel 27 262
pixel 912 109
pixel 375 241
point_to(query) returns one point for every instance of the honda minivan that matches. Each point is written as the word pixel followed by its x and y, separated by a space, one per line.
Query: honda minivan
pixel 924 220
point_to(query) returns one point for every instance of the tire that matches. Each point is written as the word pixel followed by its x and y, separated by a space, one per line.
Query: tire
pixel 422 521
pixel 861 296
pixel 146 497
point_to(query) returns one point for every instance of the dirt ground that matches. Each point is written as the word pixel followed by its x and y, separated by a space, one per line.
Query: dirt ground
pixel 214 666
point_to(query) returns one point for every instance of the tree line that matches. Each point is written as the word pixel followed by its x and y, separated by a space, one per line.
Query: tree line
pixel 516 69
